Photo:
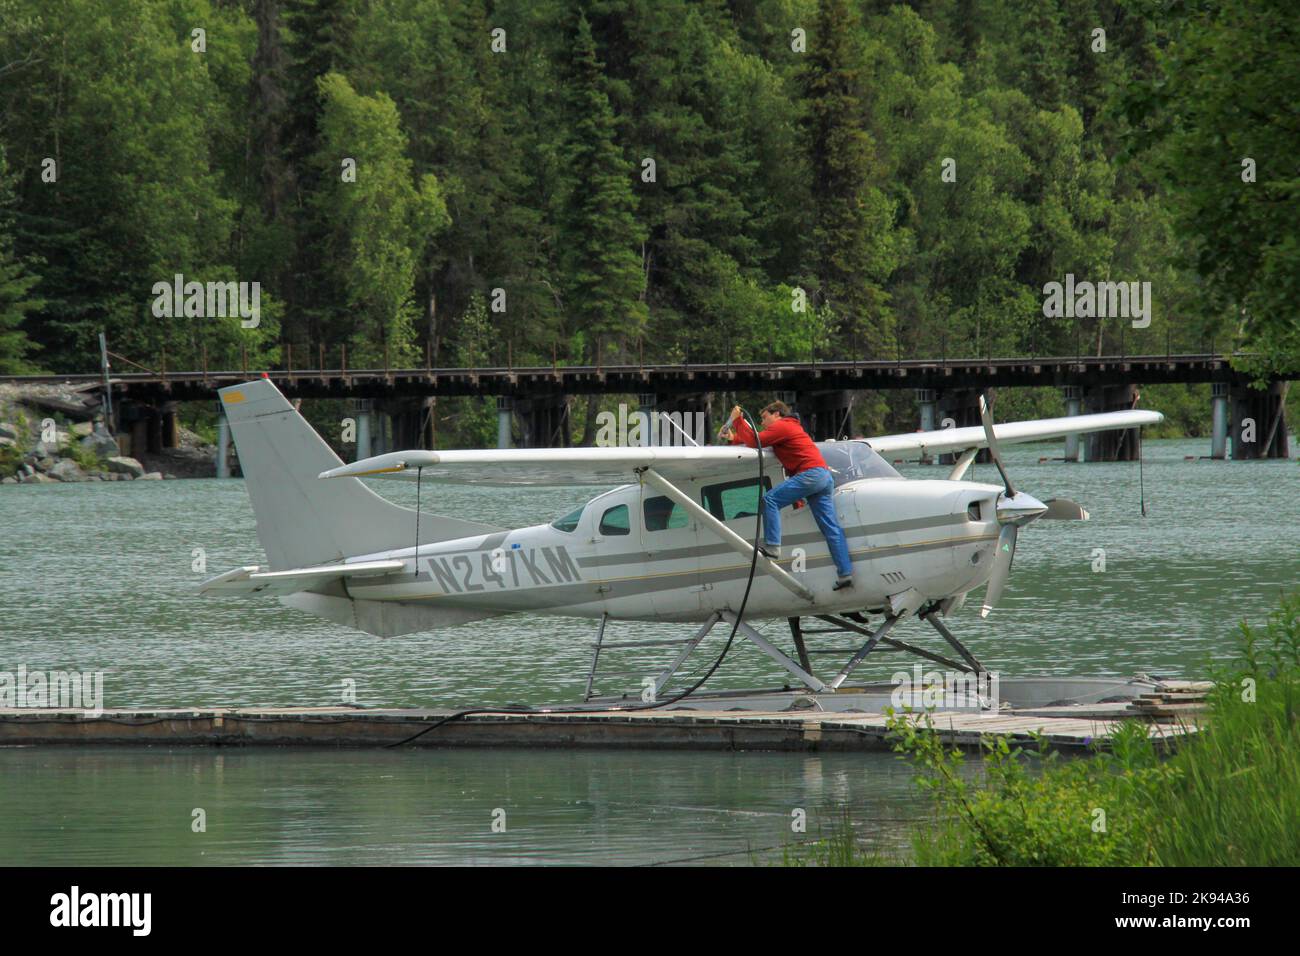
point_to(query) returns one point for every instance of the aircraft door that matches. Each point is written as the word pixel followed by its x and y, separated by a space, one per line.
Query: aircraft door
pixel 671 585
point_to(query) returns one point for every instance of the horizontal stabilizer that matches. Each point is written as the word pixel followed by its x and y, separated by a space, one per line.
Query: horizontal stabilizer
pixel 256 580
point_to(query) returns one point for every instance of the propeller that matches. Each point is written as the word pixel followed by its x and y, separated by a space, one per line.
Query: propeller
pixel 986 417
pixel 1014 509
pixel 1001 567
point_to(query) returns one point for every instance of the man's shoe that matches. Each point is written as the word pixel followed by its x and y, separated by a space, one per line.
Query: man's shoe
pixel 843 583
pixel 772 551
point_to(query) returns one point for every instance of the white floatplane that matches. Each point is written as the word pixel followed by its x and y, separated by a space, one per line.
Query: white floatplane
pixel 670 543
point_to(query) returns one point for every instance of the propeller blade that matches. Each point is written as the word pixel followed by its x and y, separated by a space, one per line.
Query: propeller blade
pixel 1063 509
pixel 1001 568
pixel 987 418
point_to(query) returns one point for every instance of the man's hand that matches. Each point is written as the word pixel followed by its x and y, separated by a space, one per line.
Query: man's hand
pixel 736 412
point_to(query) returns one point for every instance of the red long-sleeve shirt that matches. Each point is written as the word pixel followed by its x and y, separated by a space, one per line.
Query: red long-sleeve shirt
pixel 786 437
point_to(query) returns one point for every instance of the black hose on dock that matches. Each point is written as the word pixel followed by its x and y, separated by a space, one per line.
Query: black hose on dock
pixel 615 708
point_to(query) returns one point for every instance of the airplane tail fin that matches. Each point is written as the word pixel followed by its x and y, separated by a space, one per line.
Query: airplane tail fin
pixel 301 520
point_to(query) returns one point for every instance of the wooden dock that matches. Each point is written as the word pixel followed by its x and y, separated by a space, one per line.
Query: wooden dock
pixel 1065 728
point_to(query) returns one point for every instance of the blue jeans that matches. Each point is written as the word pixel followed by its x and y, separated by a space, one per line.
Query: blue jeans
pixel 817 486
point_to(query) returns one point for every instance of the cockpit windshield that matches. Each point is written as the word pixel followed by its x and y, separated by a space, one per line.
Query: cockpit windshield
pixel 851 460
pixel 569 523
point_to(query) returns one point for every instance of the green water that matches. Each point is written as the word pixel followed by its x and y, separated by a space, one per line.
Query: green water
pixel 99 577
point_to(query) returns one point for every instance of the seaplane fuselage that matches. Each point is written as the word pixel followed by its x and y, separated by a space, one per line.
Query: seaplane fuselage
pixel 634 554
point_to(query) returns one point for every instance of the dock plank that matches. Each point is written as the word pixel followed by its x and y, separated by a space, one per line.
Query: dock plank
pixel 689 729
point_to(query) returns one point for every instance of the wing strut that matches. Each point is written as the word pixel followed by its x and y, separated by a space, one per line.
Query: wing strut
pixel 728 537
pixel 962 463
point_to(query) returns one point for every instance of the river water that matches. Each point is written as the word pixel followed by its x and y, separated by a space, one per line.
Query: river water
pixel 101 577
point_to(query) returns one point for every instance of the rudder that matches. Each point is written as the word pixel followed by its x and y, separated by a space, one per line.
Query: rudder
pixel 301 520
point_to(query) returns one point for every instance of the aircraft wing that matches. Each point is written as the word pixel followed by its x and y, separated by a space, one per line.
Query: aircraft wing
pixel 557 466
pixel 1008 433
pixel 615 466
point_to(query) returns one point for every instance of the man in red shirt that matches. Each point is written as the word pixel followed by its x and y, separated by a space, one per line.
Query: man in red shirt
pixel 808 478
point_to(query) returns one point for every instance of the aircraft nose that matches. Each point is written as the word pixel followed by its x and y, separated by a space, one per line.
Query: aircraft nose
pixel 1019 509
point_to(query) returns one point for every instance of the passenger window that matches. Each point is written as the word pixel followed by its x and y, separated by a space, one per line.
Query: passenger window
pixel 615 521
pixel 735 499
pixel 662 513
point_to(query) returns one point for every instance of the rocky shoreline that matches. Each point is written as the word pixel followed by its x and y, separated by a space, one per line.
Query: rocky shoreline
pixel 41 442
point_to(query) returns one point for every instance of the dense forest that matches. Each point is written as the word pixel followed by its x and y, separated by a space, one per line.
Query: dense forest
pixel 466 182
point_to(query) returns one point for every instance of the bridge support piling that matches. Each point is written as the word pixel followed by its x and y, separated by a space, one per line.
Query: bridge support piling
pixel 362 411
pixel 505 416
pixel 1123 445
pixel 1258 426
pixel 1073 406
pixel 1219 426
pixel 545 421
pixel 962 406
pixel 648 405
pixel 827 414
pixel 223 444
pixel 927 402
pixel 170 426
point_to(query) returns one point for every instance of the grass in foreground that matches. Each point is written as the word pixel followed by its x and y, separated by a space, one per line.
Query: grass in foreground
pixel 1228 796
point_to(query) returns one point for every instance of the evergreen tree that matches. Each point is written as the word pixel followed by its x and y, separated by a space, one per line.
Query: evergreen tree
pixel 16 283
pixel 601 237
pixel 854 249
pixel 378 219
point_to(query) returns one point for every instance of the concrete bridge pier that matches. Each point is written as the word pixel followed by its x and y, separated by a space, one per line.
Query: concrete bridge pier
pixel 1073 406
pixel 647 403
pixel 1258 426
pixel 1124 445
pixel 927 400
pixel 363 410
pixel 505 420
pixel 223 444
pixel 1219 420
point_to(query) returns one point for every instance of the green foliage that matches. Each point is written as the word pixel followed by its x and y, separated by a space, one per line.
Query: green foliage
pixel 1237 802
pixel 1222 93
pixel 16 283
pixel 1062 813
pixel 85 458
pixel 1228 796
pixel 379 219
pixel 922 170
pixel 837 847
pixel 473 419
pixel 603 267
pixel 11 459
